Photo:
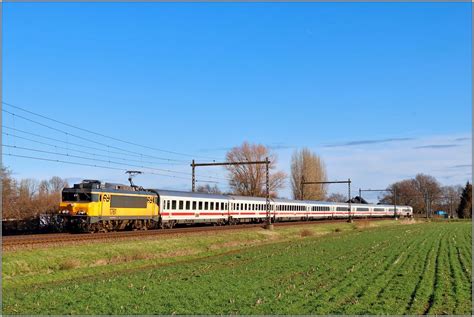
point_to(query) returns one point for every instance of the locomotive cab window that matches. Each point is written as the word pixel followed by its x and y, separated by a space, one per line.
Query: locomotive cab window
pixel 79 197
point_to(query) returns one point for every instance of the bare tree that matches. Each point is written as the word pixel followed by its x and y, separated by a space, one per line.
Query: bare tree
pixel 422 193
pixel 28 197
pixel 337 198
pixel 249 180
pixel 310 167
pixel 208 189
pixel 9 195
pixel 57 184
pixel 451 199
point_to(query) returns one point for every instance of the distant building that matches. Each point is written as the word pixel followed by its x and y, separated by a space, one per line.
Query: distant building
pixel 358 200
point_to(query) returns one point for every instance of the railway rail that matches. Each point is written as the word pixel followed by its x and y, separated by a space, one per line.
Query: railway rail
pixel 23 241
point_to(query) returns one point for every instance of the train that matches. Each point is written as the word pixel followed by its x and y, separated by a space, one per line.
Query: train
pixel 93 206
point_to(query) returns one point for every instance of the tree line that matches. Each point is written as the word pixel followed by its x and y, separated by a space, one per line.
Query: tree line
pixel 423 192
pixel 29 197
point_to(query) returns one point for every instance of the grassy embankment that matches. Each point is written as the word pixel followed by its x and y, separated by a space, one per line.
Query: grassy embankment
pixel 362 268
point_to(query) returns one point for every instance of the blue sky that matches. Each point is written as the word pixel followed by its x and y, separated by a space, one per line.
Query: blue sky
pixel 381 91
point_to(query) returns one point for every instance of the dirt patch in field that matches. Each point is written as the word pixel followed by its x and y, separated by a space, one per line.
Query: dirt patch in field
pixel 70 264
pixel 363 224
pixel 306 233
pixel 270 234
pixel 177 253
pixel 408 221
pixel 142 256
pixel 228 244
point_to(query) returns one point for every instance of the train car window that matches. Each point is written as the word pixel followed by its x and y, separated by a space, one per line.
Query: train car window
pixel 194 205
pixel 241 206
pixel 217 206
pixel 222 206
pixel 211 205
pixel 188 205
pixel 168 204
pixel 225 208
pixel 173 204
pixel 181 205
pixel 206 205
pixel 200 205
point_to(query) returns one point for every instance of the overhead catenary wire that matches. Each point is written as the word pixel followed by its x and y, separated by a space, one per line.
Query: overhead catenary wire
pixel 94 165
pixel 93 148
pixel 103 135
pixel 87 153
pixel 86 139
pixel 106 147
pixel 75 150
pixel 89 147
pixel 95 159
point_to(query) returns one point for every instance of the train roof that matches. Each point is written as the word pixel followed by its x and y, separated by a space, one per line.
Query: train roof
pixel 178 193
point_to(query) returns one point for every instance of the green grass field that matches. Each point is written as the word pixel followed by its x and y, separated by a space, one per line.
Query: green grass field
pixel 366 268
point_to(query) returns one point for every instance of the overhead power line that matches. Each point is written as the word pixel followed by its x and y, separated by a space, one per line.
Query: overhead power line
pixel 103 135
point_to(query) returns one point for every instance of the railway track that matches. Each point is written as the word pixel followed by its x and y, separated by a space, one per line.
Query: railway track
pixel 15 242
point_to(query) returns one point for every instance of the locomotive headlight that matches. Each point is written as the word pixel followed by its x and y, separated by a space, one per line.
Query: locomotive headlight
pixel 81 212
pixel 64 211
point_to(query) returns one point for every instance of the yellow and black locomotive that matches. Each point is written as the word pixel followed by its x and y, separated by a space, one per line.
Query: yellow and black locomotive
pixel 92 206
